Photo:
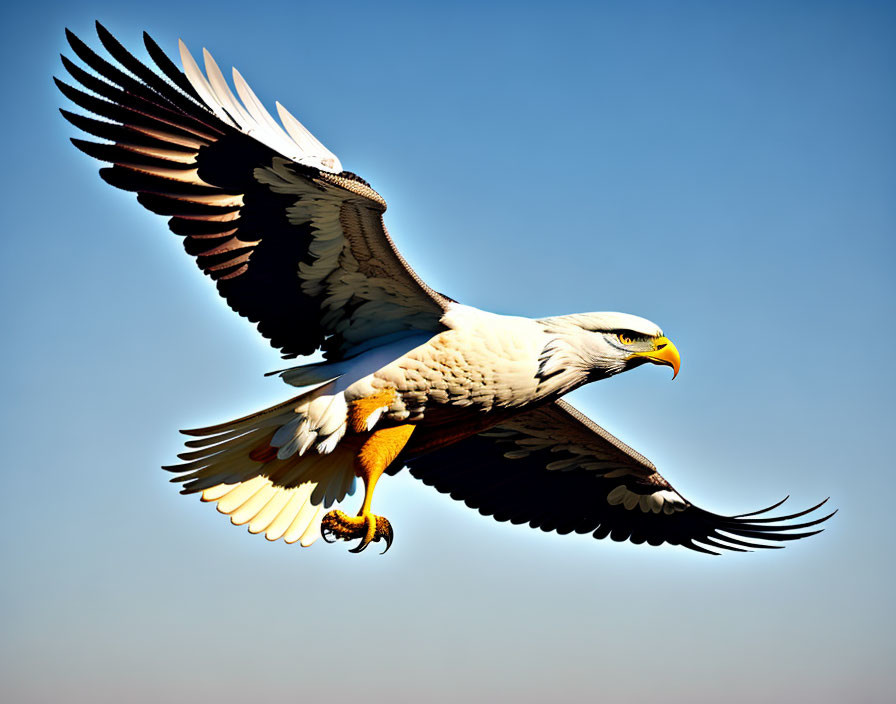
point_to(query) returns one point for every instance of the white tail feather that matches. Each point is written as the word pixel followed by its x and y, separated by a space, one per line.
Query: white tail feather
pixel 282 493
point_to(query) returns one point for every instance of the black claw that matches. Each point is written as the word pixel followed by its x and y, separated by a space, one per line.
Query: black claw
pixel 388 535
pixel 361 548
pixel 333 529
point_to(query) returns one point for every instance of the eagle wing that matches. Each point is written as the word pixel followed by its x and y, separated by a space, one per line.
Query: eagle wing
pixel 294 244
pixel 555 469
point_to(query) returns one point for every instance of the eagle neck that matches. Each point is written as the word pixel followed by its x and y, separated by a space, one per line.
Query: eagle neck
pixel 570 358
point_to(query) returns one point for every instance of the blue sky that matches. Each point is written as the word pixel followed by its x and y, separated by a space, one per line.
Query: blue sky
pixel 724 169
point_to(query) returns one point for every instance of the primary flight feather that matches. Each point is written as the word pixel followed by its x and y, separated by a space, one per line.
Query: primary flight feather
pixel 470 401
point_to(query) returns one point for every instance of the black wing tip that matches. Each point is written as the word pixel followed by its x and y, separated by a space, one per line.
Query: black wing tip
pixel 691 545
pixel 775 523
pixel 779 519
pixel 99 29
pixel 745 533
pixel 84 145
pixel 152 46
pixel 150 43
pixel 763 510
pixel 69 65
pixel 762 533
pixel 78 45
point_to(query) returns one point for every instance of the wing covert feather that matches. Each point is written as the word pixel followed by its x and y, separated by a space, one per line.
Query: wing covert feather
pixel 294 244
pixel 556 470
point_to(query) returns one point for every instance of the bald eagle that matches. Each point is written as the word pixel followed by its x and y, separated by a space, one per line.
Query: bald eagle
pixel 469 401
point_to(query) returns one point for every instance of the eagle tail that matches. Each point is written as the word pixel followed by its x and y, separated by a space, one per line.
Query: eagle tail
pixel 276 469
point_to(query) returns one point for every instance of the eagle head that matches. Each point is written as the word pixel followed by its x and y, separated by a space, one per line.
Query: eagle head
pixel 604 344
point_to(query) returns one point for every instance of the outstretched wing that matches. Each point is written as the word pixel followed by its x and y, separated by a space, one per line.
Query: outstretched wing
pixel 294 243
pixel 555 469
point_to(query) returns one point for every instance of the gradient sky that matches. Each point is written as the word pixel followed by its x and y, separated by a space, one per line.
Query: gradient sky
pixel 727 170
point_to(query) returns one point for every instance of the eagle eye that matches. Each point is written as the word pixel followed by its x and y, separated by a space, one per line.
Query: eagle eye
pixel 624 339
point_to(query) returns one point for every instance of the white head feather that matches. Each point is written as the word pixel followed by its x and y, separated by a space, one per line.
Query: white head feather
pixel 585 346
pixel 604 322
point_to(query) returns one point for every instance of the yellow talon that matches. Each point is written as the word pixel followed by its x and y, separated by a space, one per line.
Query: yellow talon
pixel 380 448
pixel 370 528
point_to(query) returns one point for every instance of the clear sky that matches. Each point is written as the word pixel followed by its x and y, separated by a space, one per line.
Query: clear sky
pixel 725 169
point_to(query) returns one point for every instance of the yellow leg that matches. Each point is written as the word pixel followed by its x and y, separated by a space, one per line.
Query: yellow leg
pixel 375 455
pixel 361 409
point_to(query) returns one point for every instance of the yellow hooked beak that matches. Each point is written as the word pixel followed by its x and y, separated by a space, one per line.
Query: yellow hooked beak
pixel 663 352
